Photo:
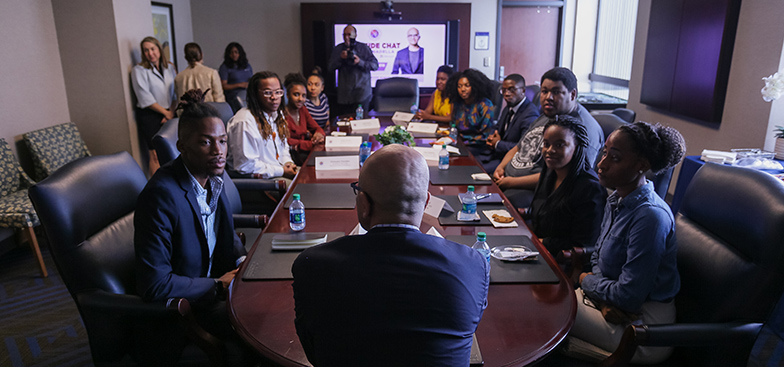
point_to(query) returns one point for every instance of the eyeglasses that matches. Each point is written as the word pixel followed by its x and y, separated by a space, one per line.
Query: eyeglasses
pixel 355 186
pixel 270 93
pixel 512 90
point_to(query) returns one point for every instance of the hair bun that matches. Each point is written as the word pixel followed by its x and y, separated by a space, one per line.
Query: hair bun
pixel 192 96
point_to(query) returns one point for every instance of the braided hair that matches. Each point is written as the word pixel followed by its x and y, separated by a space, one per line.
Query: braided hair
pixel 662 146
pixel 194 109
pixel 558 200
pixel 254 106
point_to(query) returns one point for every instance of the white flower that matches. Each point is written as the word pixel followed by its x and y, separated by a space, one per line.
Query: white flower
pixel 389 129
pixel 774 87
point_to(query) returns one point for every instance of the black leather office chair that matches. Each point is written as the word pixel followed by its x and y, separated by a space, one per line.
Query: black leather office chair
pixel 730 232
pixel 625 114
pixel 250 190
pixel 532 92
pixel 224 110
pixel 86 208
pixel 498 99
pixel 395 94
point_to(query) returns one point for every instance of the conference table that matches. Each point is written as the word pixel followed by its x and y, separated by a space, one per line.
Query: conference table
pixel 523 321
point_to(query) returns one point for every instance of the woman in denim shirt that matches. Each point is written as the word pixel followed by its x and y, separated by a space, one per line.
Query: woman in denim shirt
pixel 634 275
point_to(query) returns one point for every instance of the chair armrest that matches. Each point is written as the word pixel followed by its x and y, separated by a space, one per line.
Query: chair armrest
pixel 681 335
pixel 260 184
pixel 250 220
pixel 104 308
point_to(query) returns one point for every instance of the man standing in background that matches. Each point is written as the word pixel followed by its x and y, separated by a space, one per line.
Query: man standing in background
pixel 354 61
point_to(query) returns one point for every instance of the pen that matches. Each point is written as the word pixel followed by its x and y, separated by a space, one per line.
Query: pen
pixel 483 196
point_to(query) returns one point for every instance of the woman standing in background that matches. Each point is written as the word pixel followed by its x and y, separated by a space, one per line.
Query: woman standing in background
pixel 153 84
pixel 235 73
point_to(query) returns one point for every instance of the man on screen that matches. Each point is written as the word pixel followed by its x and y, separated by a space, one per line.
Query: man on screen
pixel 354 61
pixel 411 59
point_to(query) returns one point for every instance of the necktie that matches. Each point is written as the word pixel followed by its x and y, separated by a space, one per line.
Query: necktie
pixel 507 120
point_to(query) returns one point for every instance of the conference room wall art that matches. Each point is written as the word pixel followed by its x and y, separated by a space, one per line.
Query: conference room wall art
pixel 688 55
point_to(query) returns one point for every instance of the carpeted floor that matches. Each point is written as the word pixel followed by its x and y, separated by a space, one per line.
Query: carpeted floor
pixel 39 323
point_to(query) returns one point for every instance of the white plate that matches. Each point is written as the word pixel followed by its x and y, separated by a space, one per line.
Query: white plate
pixel 513 253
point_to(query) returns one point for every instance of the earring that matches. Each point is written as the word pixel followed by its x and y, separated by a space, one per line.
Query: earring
pixel 640 171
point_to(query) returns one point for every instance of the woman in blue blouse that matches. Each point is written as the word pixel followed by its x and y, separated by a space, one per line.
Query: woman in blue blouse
pixel 235 73
pixel 472 109
pixel 633 276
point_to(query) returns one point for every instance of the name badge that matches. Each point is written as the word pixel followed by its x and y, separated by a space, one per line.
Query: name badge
pixel 365 125
pixel 341 162
pixel 349 143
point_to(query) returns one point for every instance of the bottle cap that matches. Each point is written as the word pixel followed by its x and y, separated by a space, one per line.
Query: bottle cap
pixel 295 196
pixel 444 145
pixel 471 188
pixel 481 236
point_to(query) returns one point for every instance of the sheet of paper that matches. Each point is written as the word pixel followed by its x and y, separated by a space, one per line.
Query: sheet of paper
pixel 449 148
pixel 422 127
pixel 337 162
pixel 365 125
pixel 338 133
pixel 501 212
pixel 434 206
pixel 337 174
pixel 434 232
pixel 348 143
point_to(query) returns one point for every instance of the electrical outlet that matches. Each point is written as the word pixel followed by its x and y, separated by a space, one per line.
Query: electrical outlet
pixel 487 61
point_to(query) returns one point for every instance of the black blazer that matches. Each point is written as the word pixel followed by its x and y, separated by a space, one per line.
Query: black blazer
pixel 526 114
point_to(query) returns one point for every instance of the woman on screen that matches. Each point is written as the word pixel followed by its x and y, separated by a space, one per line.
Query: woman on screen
pixel 634 276
pixel 317 103
pixel 568 203
pixel 235 73
pixel 304 132
pixel 438 108
pixel 472 109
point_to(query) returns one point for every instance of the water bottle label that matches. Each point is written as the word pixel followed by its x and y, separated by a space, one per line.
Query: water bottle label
pixel 296 217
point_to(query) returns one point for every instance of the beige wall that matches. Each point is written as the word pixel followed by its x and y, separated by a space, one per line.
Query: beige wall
pixel 268 29
pixel 757 53
pixel 33 93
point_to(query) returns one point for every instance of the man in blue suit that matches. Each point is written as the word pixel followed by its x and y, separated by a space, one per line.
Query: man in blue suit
pixel 410 60
pixel 516 118
pixel 394 296
pixel 184 235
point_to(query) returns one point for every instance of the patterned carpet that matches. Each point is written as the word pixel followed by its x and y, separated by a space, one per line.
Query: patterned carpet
pixel 39 323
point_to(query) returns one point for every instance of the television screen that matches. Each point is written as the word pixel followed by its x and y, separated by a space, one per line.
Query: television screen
pixel 390 44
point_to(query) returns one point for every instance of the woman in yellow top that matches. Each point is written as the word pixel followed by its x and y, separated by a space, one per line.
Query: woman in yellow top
pixel 439 108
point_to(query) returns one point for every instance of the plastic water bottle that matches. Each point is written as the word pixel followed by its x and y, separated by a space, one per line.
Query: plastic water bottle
pixel 364 152
pixel 443 158
pixel 453 132
pixel 469 201
pixel 296 214
pixel 414 109
pixel 481 245
pixel 360 113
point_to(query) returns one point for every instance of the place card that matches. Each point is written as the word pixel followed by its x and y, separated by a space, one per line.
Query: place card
pixel 365 125
pixel 402 118
pixel 351 174
pixel 434 232
pixel 434 206
pixel 347 143
pixel 449 148
pixel 430 154
pixel 358 230
pixel 338 162
pixel 422 127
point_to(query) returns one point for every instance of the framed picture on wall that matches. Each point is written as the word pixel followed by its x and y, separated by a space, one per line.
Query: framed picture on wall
pixel 163 29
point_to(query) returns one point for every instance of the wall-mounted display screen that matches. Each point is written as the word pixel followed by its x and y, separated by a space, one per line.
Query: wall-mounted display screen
pixel 407 50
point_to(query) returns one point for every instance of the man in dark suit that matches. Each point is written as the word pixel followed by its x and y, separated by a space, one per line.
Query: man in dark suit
pixel 394 296
pixel 515 120
pixel 410 60
pixel 184 235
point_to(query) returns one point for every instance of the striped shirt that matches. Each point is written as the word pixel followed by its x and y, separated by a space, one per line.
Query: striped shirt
pixel 319 113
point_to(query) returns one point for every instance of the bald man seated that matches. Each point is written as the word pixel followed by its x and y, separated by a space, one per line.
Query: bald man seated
pixel 393 296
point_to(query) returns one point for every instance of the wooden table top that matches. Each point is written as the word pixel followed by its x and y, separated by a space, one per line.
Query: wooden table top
pixel 521 325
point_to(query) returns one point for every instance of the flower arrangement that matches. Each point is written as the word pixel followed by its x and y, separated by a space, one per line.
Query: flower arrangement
pixel 774 87
pixel 395 135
